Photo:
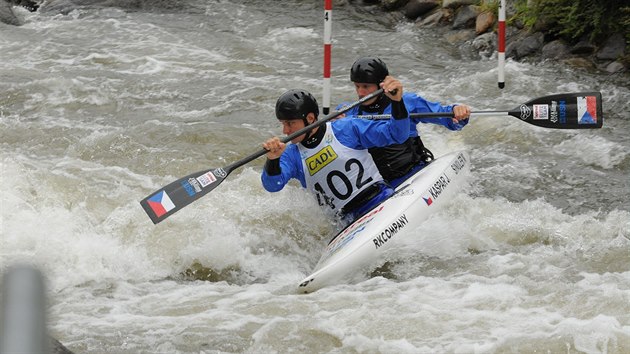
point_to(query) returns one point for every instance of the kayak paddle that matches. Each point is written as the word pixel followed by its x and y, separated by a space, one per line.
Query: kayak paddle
pixel 582 110
pixel 167 200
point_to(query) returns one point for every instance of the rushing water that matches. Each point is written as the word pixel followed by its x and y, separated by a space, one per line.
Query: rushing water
pixel 101 106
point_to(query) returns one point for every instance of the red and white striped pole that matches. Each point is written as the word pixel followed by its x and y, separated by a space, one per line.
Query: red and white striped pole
pixel 501 45
pixel 327 52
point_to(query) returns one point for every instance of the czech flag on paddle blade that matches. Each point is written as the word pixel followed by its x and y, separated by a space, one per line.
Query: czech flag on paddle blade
pixel 160 203
pixel 429 200
pixel 587 110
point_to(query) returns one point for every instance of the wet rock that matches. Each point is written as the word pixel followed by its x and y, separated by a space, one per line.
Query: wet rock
pixel 615 67
pixel 30 5
pixel 465 17
pixel 417 8
pixel 613 48
pixel 457 37
pixel 468 52
pixel 580 62
pixel 438 17
pixel 555 50
pixel 484 22
pixel 7 15
pixel 485 44
pixel 528 46
pixel 583 47
pixel 453 4
pixel 392 4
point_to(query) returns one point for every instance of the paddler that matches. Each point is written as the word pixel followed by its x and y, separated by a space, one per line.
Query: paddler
pixel 332 160
pixel 397 162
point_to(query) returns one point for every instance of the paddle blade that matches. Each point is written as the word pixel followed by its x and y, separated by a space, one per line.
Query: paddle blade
pixel 173 197
pixel 581 110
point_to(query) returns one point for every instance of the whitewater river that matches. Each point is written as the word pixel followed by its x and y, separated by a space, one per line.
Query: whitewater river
pixel 100 107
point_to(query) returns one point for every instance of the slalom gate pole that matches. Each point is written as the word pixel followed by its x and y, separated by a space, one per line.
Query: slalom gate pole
pixel 327 53
pixel 501 46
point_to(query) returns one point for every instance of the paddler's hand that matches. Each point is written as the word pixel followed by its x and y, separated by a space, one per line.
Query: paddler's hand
pixel 392 88
pixel 275 148
pixel 461 112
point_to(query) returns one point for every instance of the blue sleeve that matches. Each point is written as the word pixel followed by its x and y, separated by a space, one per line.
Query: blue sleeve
pixel 411 132
pixel 417 104
pixel 290 167
pixel 351 112
pixel 360 133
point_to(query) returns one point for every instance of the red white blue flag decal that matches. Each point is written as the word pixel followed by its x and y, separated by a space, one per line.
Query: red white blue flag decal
pixel 160 203
pixel 587 110
pixel 429 200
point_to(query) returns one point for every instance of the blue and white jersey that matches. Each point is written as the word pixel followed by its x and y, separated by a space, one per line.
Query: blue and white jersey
pixel 339 167
pixel 336 173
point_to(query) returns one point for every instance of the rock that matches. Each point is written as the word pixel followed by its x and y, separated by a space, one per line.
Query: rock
pixel 417 8
pixel 7 15
pixel 456 37
pixel 529 45
pixel 613 48
pixel 614 67
pixel 555 50
pixel 390 5
pixel 485 44
pixel 579 62
pixel 484 21
pixel 468 52
pixel 436 18
pixel 465 17
pixel 453 4
pixel 583 47
pixel 30 5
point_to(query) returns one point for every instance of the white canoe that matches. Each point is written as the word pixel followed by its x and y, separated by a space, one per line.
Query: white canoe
pixel 363 242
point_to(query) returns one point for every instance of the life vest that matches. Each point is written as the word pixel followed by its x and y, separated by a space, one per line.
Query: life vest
pixel 395 160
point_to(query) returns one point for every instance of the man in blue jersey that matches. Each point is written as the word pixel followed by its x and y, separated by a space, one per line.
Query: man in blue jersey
pixel 332 160
pixel 397 162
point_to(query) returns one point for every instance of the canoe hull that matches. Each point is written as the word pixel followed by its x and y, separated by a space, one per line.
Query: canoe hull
pixel 363 242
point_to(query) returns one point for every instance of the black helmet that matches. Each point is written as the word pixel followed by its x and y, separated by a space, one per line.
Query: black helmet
pixel 368 70
pixel 296 104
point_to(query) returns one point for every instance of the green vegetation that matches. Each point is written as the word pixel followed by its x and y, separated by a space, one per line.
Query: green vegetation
pixel 489 6
pixel 576 19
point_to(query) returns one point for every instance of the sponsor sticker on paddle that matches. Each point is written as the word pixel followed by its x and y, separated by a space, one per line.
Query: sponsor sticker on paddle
pixel 206 179
pixel 191 186
pixel 541 111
